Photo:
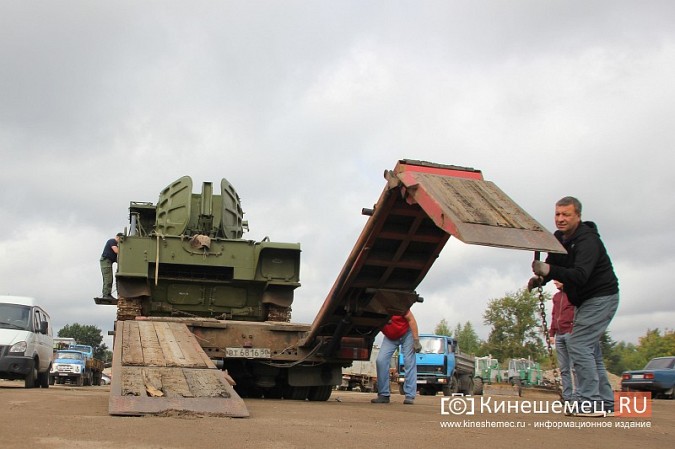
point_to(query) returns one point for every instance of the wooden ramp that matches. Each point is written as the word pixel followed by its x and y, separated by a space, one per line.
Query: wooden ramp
pixel 160 368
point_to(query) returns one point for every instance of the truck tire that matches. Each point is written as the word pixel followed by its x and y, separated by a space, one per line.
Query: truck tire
pixel 80 381
pixel 466 384
pixel 477 385
pixel 320 392
pixel 453 388
pixel 297 393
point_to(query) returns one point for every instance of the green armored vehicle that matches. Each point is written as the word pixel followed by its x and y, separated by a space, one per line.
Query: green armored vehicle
pixel 186 257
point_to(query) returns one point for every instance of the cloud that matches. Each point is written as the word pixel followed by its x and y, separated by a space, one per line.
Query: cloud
pixel 302 106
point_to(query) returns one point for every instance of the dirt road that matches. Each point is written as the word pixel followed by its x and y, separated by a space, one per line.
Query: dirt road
pixel 73 418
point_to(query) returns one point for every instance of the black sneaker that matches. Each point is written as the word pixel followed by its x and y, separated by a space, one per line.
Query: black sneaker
pixel 380 400
pixel 409 401
pixel 109 297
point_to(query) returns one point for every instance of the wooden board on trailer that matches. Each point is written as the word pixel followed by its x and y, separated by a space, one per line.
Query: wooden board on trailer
pixel 159 367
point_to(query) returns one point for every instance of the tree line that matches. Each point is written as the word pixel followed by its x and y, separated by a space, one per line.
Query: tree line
pixel 516 331
pixel 87 334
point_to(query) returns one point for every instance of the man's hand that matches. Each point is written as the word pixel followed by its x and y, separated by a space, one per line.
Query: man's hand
pixel 417 345
pixel 534 282
pixel 540 268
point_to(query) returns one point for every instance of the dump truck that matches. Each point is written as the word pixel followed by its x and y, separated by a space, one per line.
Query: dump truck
pixel 441 366
pixel 76 365
pixel 204 315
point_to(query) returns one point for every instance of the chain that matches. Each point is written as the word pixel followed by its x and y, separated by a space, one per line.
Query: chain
pixel 544 330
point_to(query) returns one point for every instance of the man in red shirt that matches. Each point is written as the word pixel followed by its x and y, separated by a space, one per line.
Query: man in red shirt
pixel 562 320
pixel 399 331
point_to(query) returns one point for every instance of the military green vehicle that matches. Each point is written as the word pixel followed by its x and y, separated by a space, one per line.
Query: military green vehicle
pixel 201 309
pixel 186 257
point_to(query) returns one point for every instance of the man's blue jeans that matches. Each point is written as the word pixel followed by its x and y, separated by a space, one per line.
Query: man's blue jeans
pixel 569 382
pixel 384 362
pixel 591 320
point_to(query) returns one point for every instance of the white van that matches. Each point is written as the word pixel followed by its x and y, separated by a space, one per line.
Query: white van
pixel 26 342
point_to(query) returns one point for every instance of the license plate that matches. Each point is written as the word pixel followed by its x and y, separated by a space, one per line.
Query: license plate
pixel 638 376
pixel 248 353
pixel 421 381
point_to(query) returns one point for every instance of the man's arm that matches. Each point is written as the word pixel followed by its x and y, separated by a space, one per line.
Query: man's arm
pixel 413 324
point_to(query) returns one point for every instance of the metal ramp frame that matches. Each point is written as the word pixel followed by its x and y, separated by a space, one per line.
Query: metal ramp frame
pixel 422 205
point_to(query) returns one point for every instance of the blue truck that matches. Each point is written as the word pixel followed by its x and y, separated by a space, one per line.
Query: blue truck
pixel 440 367
pixel 76 365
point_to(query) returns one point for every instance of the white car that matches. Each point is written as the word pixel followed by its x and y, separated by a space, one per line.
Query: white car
pixel 105 379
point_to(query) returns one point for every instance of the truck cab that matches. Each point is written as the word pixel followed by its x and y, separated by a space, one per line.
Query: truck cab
pixel 68 365
pixel 440 367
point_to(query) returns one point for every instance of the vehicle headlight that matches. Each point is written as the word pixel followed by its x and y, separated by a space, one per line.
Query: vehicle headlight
pixel 19 347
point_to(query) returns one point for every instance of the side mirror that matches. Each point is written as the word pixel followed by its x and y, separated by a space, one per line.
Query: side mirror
pixel 44 327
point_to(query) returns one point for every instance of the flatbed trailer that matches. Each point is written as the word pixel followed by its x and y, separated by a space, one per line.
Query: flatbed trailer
pixel 422 205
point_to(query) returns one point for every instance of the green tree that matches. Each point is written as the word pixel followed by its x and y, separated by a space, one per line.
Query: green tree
pixel 87 334
pixel 622 356
pixel 468 339
pixel 442 328
pixel 516 330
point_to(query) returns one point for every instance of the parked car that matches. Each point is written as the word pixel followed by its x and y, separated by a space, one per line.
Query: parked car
pixel 658 376
pixel 105 379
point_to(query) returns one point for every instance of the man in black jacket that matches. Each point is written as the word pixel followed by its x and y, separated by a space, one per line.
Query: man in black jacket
pixel 590 283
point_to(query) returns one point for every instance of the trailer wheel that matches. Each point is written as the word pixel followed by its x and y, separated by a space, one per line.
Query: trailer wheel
pixel 299 393
pixel 320 392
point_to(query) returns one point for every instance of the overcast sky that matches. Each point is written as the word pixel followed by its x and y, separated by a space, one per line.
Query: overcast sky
pixel 302 105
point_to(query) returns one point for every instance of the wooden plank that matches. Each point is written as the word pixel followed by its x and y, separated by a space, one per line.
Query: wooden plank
pixel 172 352
pixel 132 351
pixel 175 384
pixel 189 347
pixel 132 381
pixel 197 348
pixel 209 383
pixel 152 350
